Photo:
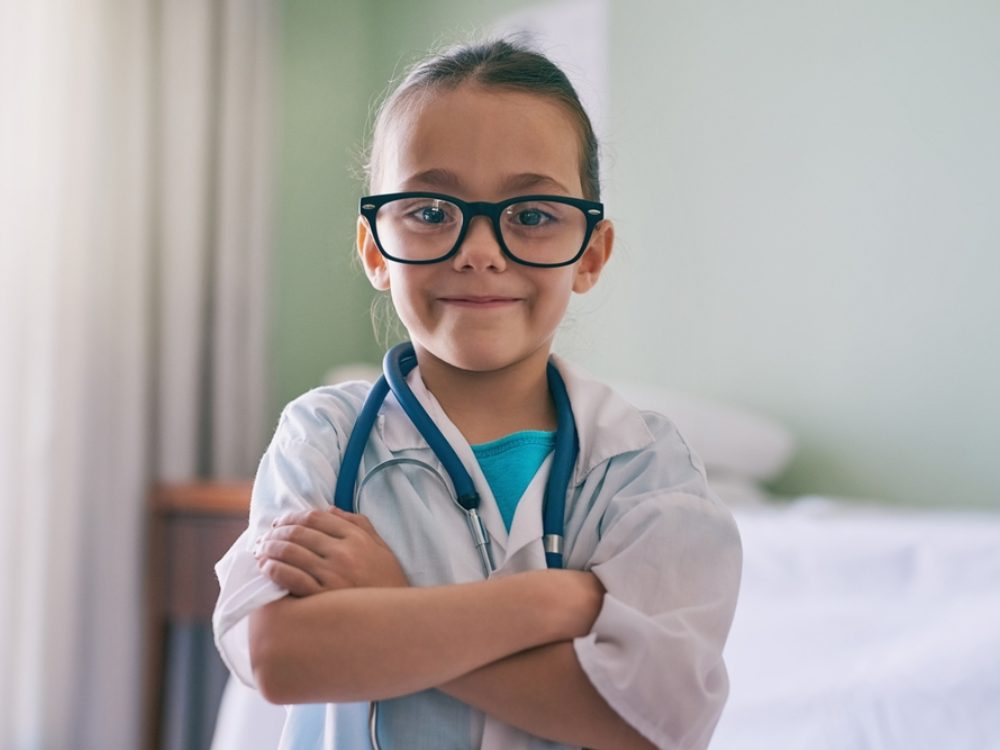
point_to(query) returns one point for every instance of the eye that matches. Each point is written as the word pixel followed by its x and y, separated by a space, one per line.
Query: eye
pixel 529 217
pixel 429 212
pixel 432 215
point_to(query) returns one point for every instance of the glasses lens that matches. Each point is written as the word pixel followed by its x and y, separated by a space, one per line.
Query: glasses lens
pixel 418 228
pixel 545 232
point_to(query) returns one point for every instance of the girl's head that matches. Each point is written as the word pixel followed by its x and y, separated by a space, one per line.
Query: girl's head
pixel 483 125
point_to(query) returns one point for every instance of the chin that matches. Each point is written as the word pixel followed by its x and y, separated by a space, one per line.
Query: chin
pixel 485 354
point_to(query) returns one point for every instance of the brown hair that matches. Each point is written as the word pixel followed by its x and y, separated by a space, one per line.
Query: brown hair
pixel 503 64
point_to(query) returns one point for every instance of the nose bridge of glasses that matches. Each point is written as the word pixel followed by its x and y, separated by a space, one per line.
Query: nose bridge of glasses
pixel 488 213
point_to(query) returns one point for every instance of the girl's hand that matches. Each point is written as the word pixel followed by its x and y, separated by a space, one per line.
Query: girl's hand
pixel 325 550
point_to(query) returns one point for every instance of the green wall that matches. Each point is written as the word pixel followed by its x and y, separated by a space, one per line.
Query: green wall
pixel 320 297
pixel 805 196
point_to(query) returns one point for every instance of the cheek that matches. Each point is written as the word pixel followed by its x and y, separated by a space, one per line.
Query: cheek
pixel 562 289
pixel 406 291
pixel 554 296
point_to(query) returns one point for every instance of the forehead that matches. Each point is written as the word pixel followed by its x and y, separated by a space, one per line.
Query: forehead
pixel 483 140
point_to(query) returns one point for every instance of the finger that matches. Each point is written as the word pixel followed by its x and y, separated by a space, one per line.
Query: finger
pixel 296 517
pixel 360 521
pixel 290 518
pixel 316 541
pixel 323 571
pixel 331 524
pixel 291 554
pixel 295 581
pixel 345 514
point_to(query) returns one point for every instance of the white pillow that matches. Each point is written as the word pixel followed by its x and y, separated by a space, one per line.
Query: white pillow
pixel 739 493
pixel 734 443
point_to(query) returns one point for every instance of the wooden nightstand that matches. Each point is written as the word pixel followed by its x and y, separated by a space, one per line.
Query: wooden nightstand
pixel 190 527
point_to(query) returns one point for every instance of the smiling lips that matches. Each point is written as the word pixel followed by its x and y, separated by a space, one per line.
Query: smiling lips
pixel 479 303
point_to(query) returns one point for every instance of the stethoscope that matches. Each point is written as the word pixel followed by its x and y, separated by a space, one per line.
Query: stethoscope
pixel 398 362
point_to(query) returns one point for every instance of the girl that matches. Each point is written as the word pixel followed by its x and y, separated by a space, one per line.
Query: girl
pixel 418 623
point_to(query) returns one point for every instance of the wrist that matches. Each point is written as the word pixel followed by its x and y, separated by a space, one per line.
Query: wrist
pixel 570 601
pixel 590 601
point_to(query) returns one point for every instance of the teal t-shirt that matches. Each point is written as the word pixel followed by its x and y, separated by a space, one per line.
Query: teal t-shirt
pixel 510 464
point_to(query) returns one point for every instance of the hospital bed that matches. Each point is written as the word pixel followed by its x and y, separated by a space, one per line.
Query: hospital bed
pixel 865 627
pixel 860 626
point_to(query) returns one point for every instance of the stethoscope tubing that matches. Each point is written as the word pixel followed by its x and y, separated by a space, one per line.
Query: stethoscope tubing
pixel 397 363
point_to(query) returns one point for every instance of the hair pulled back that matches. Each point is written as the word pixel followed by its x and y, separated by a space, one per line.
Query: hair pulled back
pixel 501 64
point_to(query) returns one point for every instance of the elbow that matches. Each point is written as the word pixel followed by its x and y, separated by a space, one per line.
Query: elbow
pixel 271 664
pixel 271 683
pixel 270 687
pixel 626 737
pixel 288 666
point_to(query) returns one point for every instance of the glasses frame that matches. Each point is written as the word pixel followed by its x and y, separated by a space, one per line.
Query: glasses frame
pixel 593 211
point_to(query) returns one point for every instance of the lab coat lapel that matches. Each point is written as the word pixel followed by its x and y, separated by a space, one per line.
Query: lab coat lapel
pixel 525 541
pixel 488 509
pixel 397 431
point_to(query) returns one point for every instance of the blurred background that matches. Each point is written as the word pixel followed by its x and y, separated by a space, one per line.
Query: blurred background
pixel 805 196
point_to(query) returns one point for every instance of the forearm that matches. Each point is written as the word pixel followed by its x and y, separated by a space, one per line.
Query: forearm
pixel 545 692
pixel 375 643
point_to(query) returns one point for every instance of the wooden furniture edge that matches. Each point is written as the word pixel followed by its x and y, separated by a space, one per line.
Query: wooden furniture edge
pixel 202 497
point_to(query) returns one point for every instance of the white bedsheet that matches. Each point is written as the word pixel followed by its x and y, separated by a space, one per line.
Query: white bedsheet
pixel 865 628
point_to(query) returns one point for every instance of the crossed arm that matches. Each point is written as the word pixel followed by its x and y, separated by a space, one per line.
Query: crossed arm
pixel 354 630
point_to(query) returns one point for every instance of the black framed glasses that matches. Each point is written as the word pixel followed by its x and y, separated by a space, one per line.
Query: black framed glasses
pixel 546 231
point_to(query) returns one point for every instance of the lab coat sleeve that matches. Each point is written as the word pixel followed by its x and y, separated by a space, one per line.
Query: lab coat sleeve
pixel 669 557
pixel 298 472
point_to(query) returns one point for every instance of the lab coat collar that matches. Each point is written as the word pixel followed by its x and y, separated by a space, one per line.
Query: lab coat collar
pixel 397 431
pixel 606 424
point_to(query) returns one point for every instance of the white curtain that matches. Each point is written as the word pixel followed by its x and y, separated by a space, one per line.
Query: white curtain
pixel 133 241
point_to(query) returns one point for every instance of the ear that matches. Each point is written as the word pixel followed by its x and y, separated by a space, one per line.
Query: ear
pixel 376 269
pixel 597 254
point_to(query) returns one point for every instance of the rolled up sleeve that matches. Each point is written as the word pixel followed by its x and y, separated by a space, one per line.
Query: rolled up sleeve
pixel 670 562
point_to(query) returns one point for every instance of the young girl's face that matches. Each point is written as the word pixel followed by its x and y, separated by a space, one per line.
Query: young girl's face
pixel 479 310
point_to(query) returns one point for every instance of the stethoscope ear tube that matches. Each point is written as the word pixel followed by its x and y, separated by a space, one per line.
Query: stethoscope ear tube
pixel 561 471
pixel 347 477
pixel 397 363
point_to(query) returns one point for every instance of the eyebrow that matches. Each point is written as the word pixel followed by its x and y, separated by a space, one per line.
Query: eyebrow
pixel 531 180
pixel 446 179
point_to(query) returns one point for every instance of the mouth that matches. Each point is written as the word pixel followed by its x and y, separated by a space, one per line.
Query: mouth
pixel 479 303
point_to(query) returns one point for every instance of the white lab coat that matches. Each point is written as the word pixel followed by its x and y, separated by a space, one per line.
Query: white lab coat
pixel 639 516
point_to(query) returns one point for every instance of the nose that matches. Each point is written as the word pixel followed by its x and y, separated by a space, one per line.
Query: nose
pixel 480 249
